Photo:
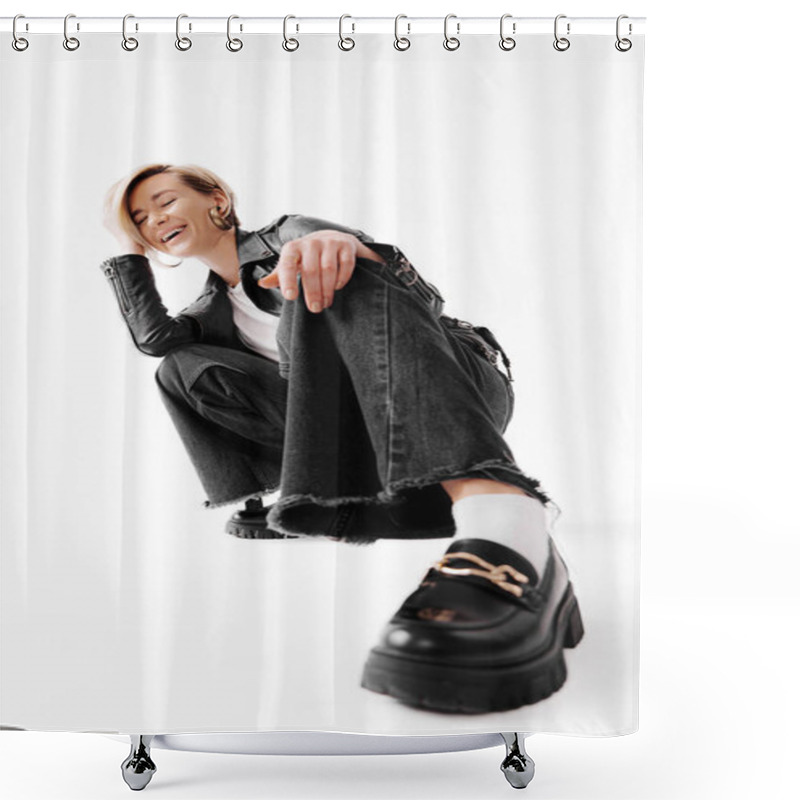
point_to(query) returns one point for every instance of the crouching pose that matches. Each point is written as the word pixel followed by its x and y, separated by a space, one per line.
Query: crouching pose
pixel 318 362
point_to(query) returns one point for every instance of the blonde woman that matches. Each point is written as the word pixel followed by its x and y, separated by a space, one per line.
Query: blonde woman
pixel 318 362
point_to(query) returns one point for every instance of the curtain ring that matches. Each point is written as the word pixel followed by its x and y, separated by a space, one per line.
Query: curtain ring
pixel 561 43
pixel 18 43
pixel 290 45
pixel 70 42
pixel 401 43
pixel 346 43
pixel 128 42
pixel 182 42
pixel 451 42
pixel 506 42
pixel 234 45
pixel 623 45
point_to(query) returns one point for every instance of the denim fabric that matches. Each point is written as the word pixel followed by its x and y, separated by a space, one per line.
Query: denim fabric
pixel 229 407
pixel 377 399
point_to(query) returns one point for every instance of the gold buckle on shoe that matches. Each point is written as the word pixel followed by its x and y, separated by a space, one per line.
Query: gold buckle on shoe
pixel 498 575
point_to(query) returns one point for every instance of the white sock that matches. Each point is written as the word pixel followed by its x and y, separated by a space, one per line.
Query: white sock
pixel 515 520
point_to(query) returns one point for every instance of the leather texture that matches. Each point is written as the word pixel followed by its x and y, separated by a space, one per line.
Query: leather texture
pixel 463 643
pixel 209 319
pixel 489 623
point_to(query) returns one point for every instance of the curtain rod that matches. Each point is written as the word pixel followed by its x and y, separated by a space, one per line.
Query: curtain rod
pixel 407 25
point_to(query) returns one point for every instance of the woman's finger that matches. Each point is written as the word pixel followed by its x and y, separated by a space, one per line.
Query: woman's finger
pixel 270 281
pixel 325 266
pixel 329 270
pixel 347 264
pixel 311 271
pixel 287 269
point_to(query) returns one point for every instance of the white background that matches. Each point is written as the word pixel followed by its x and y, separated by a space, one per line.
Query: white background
pixel 720 438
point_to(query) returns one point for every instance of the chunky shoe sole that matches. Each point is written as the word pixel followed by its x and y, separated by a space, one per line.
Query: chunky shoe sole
pixel 477 690
pixel 255 528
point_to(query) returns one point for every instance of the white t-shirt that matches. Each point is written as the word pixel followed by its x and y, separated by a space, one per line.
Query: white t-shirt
pixel 257 329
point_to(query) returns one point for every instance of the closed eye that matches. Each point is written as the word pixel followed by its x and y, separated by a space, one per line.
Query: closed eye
pixel 164 205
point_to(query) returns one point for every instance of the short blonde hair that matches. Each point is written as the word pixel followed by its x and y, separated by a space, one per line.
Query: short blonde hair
pixel 197 178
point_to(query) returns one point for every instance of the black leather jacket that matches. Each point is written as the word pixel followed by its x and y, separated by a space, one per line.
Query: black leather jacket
pixel 209 319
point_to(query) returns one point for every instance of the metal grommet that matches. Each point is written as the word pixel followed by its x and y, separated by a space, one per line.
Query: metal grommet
pixel 451 42
pixel 401 43
pixel 623 45
pixel 506 42
pixel 70 42
pixel 561 43
pixel 182 42
pixel 18 42
pixel 234 45
pixel 346 43
pixel 290 45
pixel 128 42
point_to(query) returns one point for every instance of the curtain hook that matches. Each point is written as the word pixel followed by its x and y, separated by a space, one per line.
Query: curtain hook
pixel 128 42
pixel 18 42
pixel 346 43
pixel 234 45
pixel 623 45
pixel 561 43
pixel 70 42
pixel 507 42
pixel 451 42
pixel 182 42
pixel 290 45
pixel 401 43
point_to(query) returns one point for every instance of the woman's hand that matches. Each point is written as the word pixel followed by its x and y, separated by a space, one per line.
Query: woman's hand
pixel 325 260
pixel 127 244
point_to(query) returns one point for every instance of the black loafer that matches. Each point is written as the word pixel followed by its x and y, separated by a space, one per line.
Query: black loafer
pixel 483 632
pixel 251 522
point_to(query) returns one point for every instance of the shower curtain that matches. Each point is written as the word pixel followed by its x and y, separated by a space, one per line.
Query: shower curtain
pixel 490 200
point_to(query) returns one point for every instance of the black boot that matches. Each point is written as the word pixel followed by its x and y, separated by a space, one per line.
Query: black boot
pixel 251 522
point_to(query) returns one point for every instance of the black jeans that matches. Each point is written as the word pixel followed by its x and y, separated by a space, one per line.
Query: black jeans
pixel 377 401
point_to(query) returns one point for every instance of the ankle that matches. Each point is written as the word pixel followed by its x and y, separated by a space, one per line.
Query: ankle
pixel 464 487
pixel 517 522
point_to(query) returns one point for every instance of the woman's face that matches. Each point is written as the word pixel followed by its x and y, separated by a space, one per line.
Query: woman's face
pixel 173 218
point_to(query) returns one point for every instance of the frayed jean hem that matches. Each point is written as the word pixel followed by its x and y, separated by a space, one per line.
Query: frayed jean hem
pixel 241 498
pixel 396 510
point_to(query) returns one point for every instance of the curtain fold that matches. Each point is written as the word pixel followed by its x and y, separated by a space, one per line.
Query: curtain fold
pixel 510 180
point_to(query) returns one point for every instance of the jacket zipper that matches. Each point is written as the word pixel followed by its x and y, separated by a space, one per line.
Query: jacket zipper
pixel 118 289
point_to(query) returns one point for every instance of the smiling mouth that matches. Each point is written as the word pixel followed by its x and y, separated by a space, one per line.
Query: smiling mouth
pixel 172 235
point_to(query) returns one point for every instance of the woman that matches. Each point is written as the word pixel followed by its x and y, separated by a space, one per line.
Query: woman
pixel 318 361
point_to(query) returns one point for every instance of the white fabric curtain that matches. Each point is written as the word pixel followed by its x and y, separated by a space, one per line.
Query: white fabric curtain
pixel 512 180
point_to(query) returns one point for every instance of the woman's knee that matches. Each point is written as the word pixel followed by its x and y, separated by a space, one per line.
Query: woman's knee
pixel 176 368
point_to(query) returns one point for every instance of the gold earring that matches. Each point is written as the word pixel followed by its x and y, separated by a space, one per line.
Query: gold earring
pixel 217 218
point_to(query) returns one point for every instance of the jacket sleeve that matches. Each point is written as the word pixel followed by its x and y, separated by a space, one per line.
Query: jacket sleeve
pixel 153 330
pixel 293 226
